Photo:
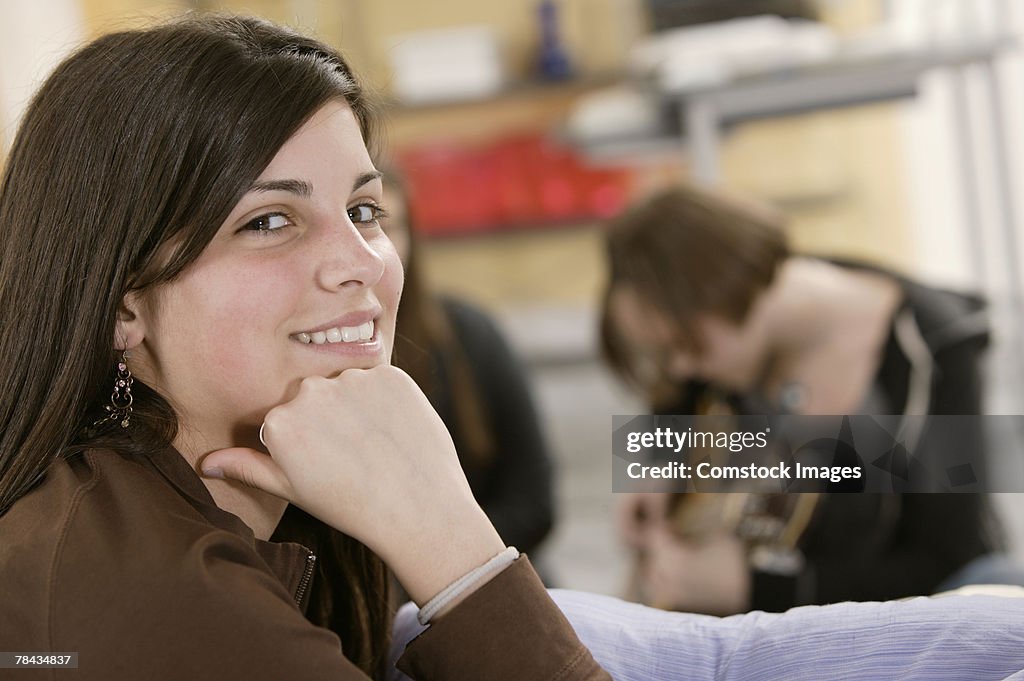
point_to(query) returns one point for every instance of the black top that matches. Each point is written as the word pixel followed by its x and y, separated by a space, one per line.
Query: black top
pixel 883 546
pixel 515 487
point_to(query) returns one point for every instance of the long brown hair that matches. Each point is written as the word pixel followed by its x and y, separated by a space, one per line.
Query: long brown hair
pixel 127 162
pixel 688 252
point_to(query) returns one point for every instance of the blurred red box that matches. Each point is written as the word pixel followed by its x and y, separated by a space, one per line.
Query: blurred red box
pixel 519 181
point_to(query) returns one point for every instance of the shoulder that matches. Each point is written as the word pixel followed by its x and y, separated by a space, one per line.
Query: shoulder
pixel 95 499
pixel 130 534
pixel 468 319
pixel 481 340
pixel 125 507
pixel 74 530
pixel 948 319
pixel 118 566
pixel 97 518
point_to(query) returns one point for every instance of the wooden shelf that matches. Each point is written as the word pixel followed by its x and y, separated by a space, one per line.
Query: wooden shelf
pixel 532 106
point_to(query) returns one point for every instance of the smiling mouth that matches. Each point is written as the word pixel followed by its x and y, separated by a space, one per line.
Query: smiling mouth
pixel 338 334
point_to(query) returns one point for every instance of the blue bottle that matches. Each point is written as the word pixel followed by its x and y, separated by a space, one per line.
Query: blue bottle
pixel 554 62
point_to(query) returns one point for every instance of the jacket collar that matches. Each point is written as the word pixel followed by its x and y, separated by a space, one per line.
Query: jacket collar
pixel 288 560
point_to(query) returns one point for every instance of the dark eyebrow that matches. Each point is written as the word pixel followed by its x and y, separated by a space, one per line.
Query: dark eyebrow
pixel 365 178
pixel 303 189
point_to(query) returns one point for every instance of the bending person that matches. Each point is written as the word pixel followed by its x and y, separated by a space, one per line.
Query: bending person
pixel 707 304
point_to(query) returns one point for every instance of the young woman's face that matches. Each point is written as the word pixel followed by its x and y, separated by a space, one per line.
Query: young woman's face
pixel 299 281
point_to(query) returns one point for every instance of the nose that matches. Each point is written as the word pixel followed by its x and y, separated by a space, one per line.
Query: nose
pixel 346 258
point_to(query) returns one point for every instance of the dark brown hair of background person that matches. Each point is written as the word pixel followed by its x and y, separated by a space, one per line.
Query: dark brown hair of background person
pixel 688 252
pixel 120 176
pixel 424 332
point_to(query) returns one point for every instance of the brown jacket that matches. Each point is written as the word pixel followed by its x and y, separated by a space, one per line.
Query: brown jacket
pixel 130 563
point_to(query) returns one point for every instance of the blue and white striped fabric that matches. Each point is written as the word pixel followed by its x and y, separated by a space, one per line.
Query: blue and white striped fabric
pixel 954 638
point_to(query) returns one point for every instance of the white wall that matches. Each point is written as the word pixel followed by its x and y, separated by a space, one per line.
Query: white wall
pixel 972 239
pixel 34 36
pixel 944 231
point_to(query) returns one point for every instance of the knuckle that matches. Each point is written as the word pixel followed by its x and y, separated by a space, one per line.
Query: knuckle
pixel 399 379
pixel 274 420
pixel 272 417
pixel 314 384
pixel 247 477
pixel 312 389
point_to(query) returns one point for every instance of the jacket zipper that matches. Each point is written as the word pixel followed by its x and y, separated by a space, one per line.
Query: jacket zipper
pixel 307 575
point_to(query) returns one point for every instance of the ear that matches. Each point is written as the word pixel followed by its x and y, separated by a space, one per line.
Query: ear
pixel 130 328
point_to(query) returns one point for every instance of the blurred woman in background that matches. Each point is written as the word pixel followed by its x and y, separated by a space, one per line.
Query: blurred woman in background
pixel 461 361
pixel 707 304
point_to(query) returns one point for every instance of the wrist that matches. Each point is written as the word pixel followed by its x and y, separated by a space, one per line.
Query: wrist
pixel 430 559
pixel 461 588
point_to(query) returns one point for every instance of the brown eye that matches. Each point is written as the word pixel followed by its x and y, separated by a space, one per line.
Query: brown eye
pixel 270 222
pixel 365 213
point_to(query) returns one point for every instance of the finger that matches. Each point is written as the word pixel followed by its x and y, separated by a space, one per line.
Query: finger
pixel 249 467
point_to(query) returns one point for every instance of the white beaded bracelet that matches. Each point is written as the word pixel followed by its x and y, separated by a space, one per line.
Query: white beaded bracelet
pixel 456 588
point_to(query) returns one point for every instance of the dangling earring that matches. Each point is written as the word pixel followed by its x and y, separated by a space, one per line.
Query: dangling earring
pixel 120 407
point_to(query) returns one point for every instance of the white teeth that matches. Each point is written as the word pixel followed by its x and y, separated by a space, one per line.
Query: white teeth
pixel 338 334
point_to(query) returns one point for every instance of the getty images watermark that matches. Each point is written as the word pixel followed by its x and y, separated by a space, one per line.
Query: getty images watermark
pixel 817 453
